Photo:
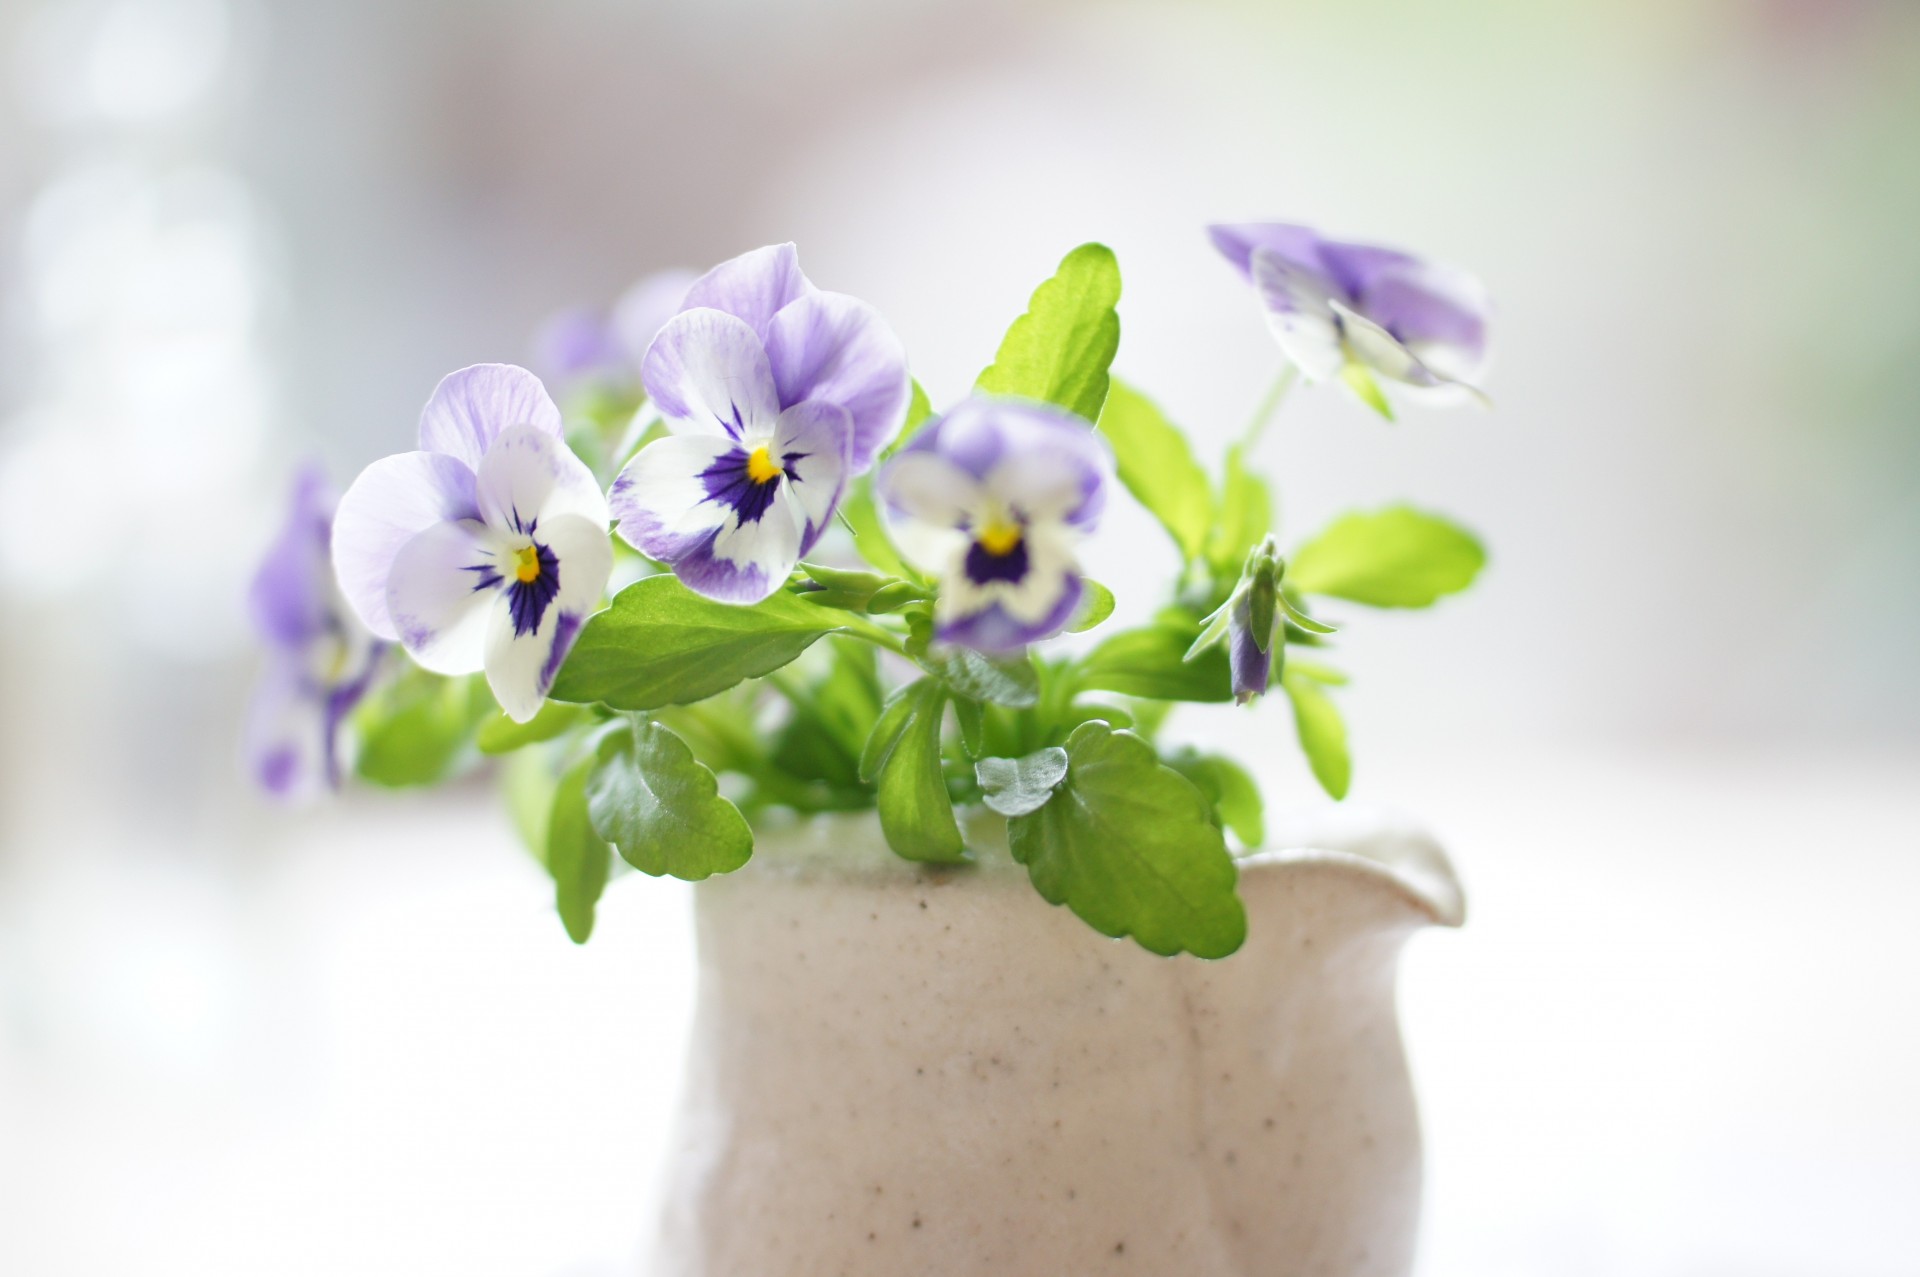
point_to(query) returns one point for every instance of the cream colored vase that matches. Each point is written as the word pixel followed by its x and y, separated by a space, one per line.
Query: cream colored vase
pixel 899 1072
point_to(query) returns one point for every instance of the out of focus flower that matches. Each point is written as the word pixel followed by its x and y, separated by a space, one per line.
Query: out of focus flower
pixel 487 548
pixel 777 393
pixel 992 498
pixel 1253 624
pixel 320 661
pixel 590 344
pixel 1360 312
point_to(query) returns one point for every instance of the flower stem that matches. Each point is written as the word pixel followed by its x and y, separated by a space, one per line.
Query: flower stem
pixel 878 635
pixel 1276 394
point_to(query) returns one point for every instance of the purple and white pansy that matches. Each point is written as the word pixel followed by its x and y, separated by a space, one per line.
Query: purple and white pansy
pixel 487 548
pixel 992 499
pixel 777 393
pixel 1358 312
pixel 320 661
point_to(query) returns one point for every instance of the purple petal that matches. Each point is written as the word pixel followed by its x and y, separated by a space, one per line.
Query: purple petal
pixel 1439 312
pixel 834 348
pixel 1251 667
pixel 527 477
pixel 753 287
pixel 813 446
pixel 470 408
pixel 578 343
pixel 292 595
pixel 707 371
pixel 993 629
pixel 1238 241
pixel 284 733
pixel 643 310
pixel 394 500
pixel 1045 460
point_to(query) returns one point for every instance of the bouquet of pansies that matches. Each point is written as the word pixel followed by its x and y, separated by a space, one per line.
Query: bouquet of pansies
pixel 821 595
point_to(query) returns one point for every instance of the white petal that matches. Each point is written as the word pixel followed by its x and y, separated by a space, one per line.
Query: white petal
pixel 584 558
pixel 770 543
pixel 926 500
pixel 1300 314
pixel 394 500
pixel 708 373
pixel 1378 349
pixel 1049 560
pixel 814 443
pixel 661 500
pixel 470 408
pixel 439 593
pixel 528 477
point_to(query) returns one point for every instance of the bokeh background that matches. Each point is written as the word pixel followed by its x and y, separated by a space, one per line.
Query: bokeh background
pixel 1673 738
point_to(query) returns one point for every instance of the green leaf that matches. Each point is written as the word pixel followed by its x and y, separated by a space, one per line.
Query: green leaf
pixel 1016 786
pixel 527 786
pixel 1002 680
pixel 832 717
pixel 919 413
pixel 903 758
pixel 1095 607
pixel 577 857
pixel 1322 735
pixel 1130 846
pixel 662 644
pixel 1059 351
pixel 1396 557
pixel 972 718
pixel 869 534
pixel 1318 673
pixel 661 808
pixel 1234 794
pixel 1151 662
pixel 1158 467
pixel 501 735
pixel 1246 514
pixel 417 730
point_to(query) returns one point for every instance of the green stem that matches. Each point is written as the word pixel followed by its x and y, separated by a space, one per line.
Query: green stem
pixel 878 635
pixel 1276 395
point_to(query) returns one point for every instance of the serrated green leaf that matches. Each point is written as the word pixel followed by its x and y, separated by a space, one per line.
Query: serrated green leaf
pixel 1130 846
pixel 1232 791
pixel 577 857
pixel 1152 662
pixel 1323 736
pixel 1096 606
pixel 419 730
pixel 1396 557
pixel 662 644
pixel 903 758
pixel 662 809
pixel 1158 467
pixel 1245 514
pixel 1060 349
pixel 501 735
pixel 1000 680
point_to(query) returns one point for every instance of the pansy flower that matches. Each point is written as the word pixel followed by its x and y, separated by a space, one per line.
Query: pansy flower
pixel 485 549
pixel 1360 312
pixel 320 661
pixel 776 393
pixel 992 499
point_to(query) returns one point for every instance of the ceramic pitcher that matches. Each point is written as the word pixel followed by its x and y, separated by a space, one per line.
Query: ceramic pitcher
pixel 899 1071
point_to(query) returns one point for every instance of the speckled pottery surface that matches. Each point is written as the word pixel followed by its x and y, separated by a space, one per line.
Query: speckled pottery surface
pixel 897 1070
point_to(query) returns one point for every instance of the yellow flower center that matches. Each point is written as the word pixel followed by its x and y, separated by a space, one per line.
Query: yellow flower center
pixel 999 537
pixel 526 564
pixel 761 467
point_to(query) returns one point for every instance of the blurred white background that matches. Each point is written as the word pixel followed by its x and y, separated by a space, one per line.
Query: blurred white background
pixel 1673 738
